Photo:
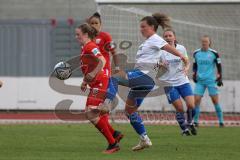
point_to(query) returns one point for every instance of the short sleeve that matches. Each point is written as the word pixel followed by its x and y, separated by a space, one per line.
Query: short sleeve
pixel 158 42
pixel 109 44
pixel 184 51
pixel 94 50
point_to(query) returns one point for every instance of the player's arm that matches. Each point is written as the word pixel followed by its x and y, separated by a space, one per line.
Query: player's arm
pixel 175 52
pixel 115 60
pixel 219 70
pixel 187 65
pixel 111 47
pixel 100 64
pixel 194 68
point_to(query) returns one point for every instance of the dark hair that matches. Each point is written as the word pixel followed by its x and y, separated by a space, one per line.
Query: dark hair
pixel 158 19
pixel 171 30
pixel 95 15
pixel 210 40
pixel 87 29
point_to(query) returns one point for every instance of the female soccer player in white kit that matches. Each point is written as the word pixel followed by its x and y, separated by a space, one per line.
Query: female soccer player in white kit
pixel 179 85
pixel 140 80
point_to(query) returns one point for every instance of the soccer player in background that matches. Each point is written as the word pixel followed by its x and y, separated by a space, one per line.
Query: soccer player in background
pixel 92 64
pixel 205 76
pixel 140 80
pixel 179 86
pixel 107 48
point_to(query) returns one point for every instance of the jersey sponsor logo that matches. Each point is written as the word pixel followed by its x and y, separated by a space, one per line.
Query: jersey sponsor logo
pixel 204 62
pixel 95 51
pixel 174 61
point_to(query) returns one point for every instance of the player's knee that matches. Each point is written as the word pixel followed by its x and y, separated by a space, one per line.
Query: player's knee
pixel 190 105
pixel 92 117
pixel 215 100
pixel 179 109
pixel 197 100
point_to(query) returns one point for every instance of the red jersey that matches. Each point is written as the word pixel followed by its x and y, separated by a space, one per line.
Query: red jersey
pixel 89 61
pixel 89 58
pixel 105 44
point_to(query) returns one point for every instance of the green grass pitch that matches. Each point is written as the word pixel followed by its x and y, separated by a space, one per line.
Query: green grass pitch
pixel 83 142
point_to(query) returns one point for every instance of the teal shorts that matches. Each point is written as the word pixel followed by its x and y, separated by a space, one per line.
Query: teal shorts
pixel 201 87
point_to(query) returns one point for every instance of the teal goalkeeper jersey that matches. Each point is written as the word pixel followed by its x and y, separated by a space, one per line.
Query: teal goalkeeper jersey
pixel 206 65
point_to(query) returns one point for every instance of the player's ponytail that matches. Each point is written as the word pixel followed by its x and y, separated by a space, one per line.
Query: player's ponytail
pixel 162 19
pixel 87 29
pixel 158 19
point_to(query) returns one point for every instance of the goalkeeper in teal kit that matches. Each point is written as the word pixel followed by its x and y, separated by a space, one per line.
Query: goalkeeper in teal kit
pixel 206 60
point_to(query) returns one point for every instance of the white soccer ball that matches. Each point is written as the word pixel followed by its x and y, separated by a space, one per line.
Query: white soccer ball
pixel 62 70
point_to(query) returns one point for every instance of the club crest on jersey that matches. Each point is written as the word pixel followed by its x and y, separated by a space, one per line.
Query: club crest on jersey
pixel 95 51
pixel 98 41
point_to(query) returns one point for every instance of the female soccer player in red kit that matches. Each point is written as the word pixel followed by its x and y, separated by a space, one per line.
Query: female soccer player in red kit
pixel 107 48
pixel 96 77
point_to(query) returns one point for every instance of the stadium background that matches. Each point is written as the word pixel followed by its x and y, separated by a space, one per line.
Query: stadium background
pixel 36 34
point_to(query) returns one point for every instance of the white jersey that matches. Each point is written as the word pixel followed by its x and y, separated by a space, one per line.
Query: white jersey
pixel 174 74
pixel 148 55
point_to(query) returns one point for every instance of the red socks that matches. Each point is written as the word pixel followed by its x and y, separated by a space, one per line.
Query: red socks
pixel 106 117
pixel 102 126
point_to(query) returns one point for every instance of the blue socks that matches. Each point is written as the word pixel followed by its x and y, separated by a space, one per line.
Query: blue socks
pixel 190 115
pixel 219 113
pixel 181 120
pixel 197 114
pixel 137 123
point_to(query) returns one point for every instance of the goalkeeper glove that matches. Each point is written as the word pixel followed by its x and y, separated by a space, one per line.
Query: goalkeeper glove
pixel 219 82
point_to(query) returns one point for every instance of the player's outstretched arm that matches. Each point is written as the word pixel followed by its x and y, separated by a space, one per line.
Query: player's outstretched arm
pixel 175 52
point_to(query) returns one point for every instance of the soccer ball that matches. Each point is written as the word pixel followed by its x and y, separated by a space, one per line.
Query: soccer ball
pixel 62 70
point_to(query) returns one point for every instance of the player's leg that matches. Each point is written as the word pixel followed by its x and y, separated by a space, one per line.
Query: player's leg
pixel 198 93
pixel 173 97
pixel 186 93
pixel 137 123
pixel 140 85
pixel 95 97
pixel 214 94
pixel 106 107
pixel 119 78
pixel 117 135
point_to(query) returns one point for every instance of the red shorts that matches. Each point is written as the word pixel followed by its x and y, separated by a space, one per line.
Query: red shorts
pixel 98 91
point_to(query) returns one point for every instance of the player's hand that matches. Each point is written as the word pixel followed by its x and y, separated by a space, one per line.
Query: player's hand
pixel 194 77
pixel 219 81
pixel 84 86
pixel 185 60
pixel 116 70
pixel 164 64
pixel 89 77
